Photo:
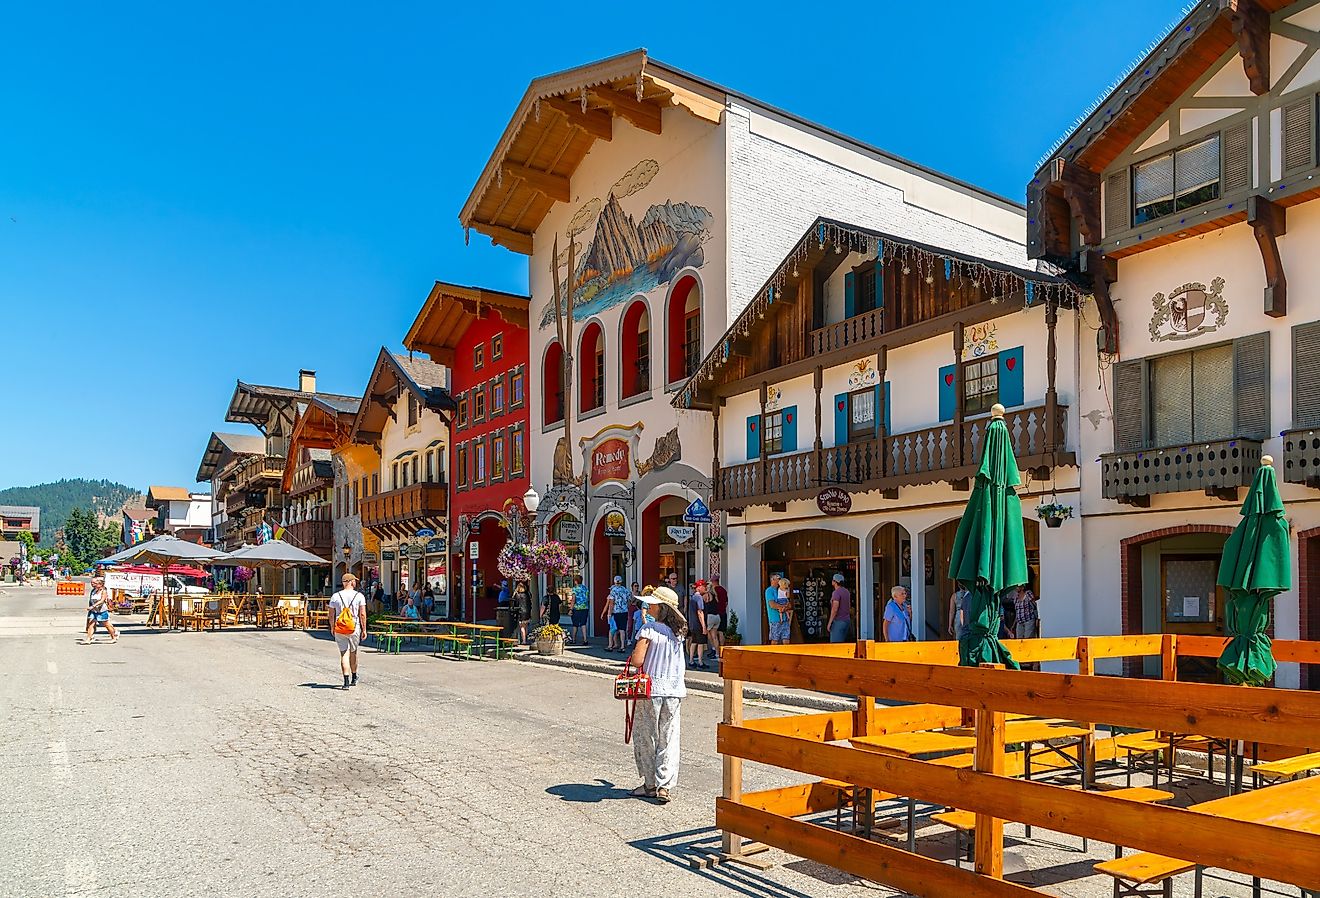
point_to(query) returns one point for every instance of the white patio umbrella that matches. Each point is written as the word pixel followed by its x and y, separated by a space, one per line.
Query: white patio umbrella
pixel 164 551
pixel 274 553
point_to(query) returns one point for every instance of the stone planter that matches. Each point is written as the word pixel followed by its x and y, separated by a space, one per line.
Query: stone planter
pixel 550 646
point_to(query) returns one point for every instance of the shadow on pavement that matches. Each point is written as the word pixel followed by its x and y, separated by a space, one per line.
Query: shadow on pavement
pixel 691 849
pixel 320 685
pixel 589 793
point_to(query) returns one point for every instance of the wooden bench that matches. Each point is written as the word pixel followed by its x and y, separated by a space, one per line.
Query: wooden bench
pixel 1287 769
pixel 1135 875
pixel 964 825
pixel 392 642
pixel 456 644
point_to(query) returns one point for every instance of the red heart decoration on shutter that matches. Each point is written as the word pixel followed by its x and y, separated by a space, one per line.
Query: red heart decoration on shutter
pixel 1010 363
pixel 840 405
pixel 788 418
pixel 752 427
pixel 948 379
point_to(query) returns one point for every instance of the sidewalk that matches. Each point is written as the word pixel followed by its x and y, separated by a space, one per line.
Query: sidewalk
pixel 594 658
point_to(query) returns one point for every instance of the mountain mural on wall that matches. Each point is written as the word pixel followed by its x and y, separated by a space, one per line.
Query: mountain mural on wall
pixel 624 257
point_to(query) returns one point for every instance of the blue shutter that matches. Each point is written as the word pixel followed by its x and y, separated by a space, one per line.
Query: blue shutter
pixel 1010 377
pixel 877 405
pixel 849 297
pixel 790 429
pixel 879 286
pixel 948 394
pixel 753 437
pixel 841 419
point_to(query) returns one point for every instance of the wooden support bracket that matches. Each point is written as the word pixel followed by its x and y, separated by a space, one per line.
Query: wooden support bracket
pixel 1080 187
pixel 1269 220
pixel 596 122
pixel 1103 271
pixel 1251 26
pixel 1135 501
pixel 518 241
pixel 553 186
pixel 640 113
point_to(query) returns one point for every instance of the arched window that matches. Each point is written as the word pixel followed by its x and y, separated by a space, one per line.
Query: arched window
pixel 591 368
pixel 552 377
pixel 683 330
pixel 635 350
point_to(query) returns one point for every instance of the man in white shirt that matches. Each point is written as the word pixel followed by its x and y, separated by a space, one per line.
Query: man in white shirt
pixel 356 603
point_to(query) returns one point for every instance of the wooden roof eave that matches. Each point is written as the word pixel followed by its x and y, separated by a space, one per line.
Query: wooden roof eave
pixel 448 312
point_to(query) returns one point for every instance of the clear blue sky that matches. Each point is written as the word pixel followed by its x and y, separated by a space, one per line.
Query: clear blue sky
pixel 190 196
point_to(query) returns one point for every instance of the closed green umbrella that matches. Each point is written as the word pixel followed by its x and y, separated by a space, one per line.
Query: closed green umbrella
pixel 1254 569
pixel 989 552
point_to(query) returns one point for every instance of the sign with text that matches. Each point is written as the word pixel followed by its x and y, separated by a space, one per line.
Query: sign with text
pixel 387 555
pixel 474 550
pixel 697 513
pixel 416 550
pixel 616 525
pixel 436 546
pixel 834 501
pixel 570 532
pixel 425 533
pixel 610 462
pixel 681 535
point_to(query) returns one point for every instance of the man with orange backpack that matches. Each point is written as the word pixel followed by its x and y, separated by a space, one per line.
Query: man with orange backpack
pixel 348 622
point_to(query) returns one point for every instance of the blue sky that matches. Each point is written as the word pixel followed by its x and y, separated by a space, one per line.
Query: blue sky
pixel 190 196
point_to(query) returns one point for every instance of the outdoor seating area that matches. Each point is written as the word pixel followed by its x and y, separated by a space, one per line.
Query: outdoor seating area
pixel 1183 779
pixel 453 638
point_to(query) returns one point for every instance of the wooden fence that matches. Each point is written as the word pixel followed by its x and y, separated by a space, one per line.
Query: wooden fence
pixel 942 695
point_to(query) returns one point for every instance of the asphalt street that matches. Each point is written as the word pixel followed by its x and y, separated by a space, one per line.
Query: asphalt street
pixel 217 764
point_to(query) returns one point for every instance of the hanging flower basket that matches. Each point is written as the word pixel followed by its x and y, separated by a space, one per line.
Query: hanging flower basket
pixel 716 543
pixel 521 561
pixel 1054 513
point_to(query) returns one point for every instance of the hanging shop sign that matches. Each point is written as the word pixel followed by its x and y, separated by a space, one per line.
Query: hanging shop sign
pixel 616 525
pixel 436 546
pixel 697 513
pixel 834 500
pixel 610 461
pixel 570 532
pixel 369 557
pixel 681 535
pixel 416 550
pixel 387 555
pixel 425 533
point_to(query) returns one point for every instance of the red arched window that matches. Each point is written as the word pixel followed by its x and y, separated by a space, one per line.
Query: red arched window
pixel 591 369
pixel 683 330
pixel 553 380
pixel 635 351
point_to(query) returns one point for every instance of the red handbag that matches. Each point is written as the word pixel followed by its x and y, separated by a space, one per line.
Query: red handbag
pixel 629 687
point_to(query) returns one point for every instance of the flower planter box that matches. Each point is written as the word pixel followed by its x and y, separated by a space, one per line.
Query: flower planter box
pixel 550 646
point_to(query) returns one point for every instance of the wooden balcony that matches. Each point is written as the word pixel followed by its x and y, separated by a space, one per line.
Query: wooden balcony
pixel 929 455
pixel 256 471
pixel 1301 456
pixel 848 332
pixel 314 536
pixel 419 503
pixel 1218 468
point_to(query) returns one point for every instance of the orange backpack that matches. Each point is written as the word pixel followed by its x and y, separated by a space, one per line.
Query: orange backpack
pixel 346 623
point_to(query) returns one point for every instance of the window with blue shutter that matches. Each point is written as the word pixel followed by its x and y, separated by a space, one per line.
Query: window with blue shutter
pixel 948 394
pixel 788 442
pixel 840 419
pixel 849 295
pixel 1010 378
pixel 753 437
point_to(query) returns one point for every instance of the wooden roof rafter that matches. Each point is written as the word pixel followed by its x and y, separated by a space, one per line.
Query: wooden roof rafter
pixel 451 308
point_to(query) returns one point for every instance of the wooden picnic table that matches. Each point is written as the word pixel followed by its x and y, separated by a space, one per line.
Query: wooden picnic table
pixel 1293 806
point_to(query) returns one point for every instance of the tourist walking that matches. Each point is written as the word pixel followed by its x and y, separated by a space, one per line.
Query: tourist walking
pixel 98 611
pixel 633 606
pixel 659 654
pixel 581 608
pixel 958 612
pixel 619 599
pixel 839 625
pixel 1026 618
pixel 717 611
pixel 551 607
pixel 348 623
pixel 777 612
pixel 898 616
pixel 522 611
pixel 696 625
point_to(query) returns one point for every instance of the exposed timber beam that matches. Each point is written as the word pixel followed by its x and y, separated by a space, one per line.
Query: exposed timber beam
pixel 518 241
pixel 1081 189
pixel 642 114
pixel 1270 222
pixel 1103 271
pixel 742 347
pixel 1251 26
pixel 596 122
pixel 551 185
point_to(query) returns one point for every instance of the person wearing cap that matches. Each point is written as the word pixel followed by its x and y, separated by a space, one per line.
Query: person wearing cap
pixel 617 608
pixel 659 654
pixel 840 623
pixel 98 612
pixel 696 625
pixel 717 603
pixel 356 603
pixel 776 612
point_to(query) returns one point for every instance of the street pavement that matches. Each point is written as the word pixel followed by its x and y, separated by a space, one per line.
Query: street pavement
pixel 226 764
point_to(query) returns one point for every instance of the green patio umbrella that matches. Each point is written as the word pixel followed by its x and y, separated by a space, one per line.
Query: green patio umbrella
pixel 989 552
pixel 1254 569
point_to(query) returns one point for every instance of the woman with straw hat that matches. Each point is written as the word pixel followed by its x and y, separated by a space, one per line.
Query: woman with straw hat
pixel 659 654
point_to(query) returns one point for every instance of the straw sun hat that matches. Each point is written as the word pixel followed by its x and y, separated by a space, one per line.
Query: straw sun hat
pixel 662 595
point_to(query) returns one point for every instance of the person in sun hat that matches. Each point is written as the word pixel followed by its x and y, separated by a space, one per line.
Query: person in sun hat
pixel 659 654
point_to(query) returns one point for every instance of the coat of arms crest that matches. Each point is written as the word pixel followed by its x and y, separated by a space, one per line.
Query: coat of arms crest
pixel 1189 311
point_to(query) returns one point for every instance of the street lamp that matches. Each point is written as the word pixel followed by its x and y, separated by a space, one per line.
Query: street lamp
pixel 531 500
pixel 347 550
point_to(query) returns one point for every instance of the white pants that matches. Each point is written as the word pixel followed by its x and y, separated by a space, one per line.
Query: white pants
pixel 655 741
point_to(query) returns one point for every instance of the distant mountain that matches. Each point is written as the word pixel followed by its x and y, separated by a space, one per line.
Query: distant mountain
pixel 682 218
pixel 57 499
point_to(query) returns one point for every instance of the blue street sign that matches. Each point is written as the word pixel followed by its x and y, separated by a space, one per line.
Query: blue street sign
pixel 697 513
pixel 425 533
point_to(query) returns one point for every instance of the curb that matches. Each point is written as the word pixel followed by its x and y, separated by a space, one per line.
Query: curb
pixel 816 702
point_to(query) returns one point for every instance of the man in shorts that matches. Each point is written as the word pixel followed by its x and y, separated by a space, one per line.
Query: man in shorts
pixel 777 613
pixel 356 603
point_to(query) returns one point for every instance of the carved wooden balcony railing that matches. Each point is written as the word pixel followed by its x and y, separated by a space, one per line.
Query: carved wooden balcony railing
pixel 403 506
pixel 1218 467
pixel 257 469
pixel 929 455
pixel 1301 456
pixel 314 536
pixel 865 326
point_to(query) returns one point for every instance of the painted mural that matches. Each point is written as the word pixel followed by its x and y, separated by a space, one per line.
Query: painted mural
pixel 625 247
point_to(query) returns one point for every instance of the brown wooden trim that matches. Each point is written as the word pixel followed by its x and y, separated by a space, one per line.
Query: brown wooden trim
pixel 596 122
pixel 640 114
pixel 1251 27
pixel 555 187
pixel 518 241
pixel 1269 221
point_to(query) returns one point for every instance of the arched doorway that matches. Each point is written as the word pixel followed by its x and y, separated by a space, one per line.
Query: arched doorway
pixel 609 557
pixel 888 546
pixel 934 567
pixel 662 550
pixel 1168 586
pixel 809 558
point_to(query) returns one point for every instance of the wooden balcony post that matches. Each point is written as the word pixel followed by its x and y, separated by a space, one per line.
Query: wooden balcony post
pixel 1051 394
pixel 958 395
pixel 760 429
pixel 881 432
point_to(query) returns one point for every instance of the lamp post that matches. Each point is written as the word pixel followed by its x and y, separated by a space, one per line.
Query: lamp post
pixel 531 501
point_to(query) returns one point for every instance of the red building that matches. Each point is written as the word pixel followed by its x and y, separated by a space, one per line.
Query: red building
pixel 481 336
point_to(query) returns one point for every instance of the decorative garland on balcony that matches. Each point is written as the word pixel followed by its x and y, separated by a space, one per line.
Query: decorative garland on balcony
pixel 997 280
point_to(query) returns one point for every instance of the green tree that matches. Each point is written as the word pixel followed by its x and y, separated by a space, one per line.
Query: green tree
pixel 86 539
pixel 28 542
